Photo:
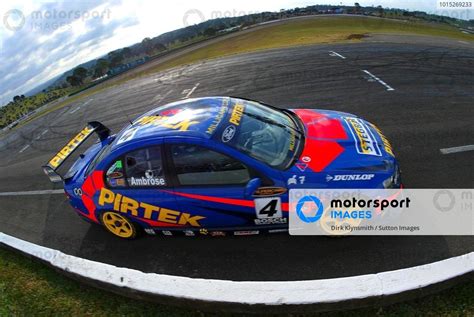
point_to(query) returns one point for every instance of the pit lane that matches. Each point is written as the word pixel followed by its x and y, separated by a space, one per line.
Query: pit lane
pixel 429 108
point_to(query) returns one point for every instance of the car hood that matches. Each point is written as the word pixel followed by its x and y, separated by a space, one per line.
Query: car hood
pixel 338 143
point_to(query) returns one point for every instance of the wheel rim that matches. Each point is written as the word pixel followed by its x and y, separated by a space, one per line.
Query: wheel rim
pixel 117 224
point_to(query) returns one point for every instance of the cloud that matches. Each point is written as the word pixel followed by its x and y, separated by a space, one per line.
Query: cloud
pixel 57 36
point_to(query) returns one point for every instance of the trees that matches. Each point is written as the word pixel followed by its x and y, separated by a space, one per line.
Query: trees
pixel 127 52
pixel 357 8
pixel 115 58
pixel 147 45
pixel 80 72
pixel 159 47
pixel 19 98
pixel 100 68
pixel 74 81
pixel 380 10
pixel 210 31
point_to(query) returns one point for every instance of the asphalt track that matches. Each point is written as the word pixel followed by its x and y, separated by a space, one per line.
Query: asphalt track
pixel 428 108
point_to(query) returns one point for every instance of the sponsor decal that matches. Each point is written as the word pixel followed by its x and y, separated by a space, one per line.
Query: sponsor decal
pixel 77 192
pixel 277 230
pixel 306 159
pixel 217 234
pixel 236 114
pixel 293 180
pixel 189 233
pixel 144 181
pixel 270 221
pixel 71 146
pixel 115 175
pixel 171 112
pixel 130 206
pixel 269 191
pixel 386 143
pixel 150 231
pixel 301 166
pixel 129 134
pixel 203 231
pixel 228 133
pixel 349 177
pixel 246 233
pixel 166 232
pixel 117 182
pixel 117 166
pixel 268 207
pixel 220 115
pixel 364 140
pixel 166 122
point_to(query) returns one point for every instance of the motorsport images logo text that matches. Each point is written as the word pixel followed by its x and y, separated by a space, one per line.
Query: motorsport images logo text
pixel 310 209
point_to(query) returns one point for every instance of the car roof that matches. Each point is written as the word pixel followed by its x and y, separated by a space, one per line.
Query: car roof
pixel 197 117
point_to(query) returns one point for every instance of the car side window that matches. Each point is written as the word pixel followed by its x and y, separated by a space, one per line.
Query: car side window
pixel 144 167
pixel 196 165
pixel 115 175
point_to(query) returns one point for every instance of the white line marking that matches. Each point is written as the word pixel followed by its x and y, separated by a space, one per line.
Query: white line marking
pixel 189 92
pixel 84 104
pixel 379 80
pixel 457 149
pixel 464 42
pixel 33 192
pixel 75 110
pixel 336 54
pixel 273 293
pixel 158 98
pixel 41 134
pixel 24 148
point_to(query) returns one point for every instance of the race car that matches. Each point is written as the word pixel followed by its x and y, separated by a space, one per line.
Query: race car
pixel 218 166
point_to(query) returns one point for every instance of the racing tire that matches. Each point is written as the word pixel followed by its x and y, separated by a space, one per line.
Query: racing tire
pixel 119 225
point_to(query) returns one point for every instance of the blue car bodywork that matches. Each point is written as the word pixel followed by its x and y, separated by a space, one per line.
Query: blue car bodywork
pixel 221 165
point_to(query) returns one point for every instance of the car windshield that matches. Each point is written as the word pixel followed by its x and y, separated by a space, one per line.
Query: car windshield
pixel 264 133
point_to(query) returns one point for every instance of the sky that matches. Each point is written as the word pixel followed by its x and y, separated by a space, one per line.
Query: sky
pixel 40 40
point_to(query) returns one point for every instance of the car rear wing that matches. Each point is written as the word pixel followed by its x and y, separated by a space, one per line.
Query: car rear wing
pixel 50 168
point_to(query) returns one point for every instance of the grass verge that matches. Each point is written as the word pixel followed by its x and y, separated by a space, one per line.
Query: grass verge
pixel 29 288
pixel 294 32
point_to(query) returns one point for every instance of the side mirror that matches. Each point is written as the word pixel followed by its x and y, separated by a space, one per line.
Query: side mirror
pixel 252 186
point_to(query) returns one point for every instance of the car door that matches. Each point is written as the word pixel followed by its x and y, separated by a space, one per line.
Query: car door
pixel 216 186
pixel 141 188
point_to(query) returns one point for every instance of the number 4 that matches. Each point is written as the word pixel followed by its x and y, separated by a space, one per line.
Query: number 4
pixel 268 207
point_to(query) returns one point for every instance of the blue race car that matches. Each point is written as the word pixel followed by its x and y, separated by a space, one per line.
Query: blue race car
pixel 218 166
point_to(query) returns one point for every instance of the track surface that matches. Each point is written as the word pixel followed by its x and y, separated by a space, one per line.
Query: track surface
pixel 430 108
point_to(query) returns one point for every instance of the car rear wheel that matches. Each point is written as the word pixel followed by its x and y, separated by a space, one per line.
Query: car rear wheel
pixel 119 225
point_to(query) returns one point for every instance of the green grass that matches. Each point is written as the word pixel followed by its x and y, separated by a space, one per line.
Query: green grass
pixel 312 31
pixel 29 288
pixel 292 33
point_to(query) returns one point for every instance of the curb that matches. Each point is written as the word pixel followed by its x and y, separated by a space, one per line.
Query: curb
pixel 225 295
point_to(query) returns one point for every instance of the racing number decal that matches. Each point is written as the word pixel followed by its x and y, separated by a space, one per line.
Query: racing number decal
pixel 268 207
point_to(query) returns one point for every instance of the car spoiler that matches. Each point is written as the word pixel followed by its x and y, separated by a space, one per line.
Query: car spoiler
pixel 50 168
